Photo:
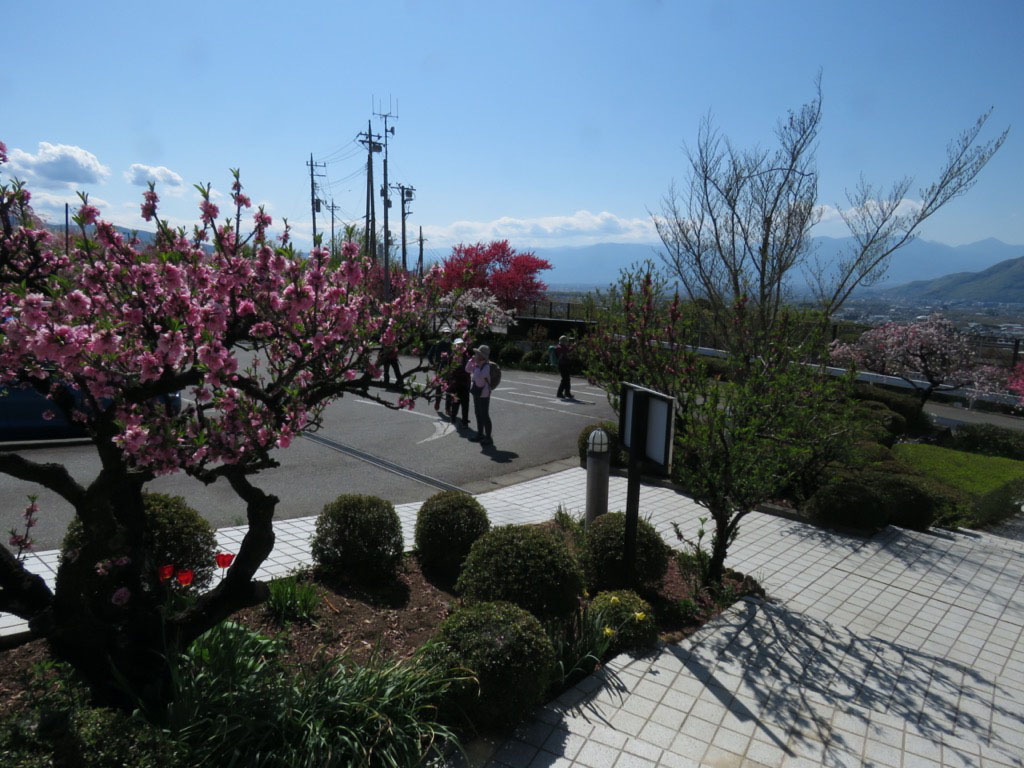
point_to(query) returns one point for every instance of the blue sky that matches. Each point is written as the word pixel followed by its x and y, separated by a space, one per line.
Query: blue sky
pixel 557 123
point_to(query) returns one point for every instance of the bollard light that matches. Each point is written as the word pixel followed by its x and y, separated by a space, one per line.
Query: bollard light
pixel 599 459
pixel 599 442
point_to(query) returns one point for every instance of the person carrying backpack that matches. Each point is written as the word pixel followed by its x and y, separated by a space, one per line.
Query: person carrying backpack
pixel 479 369
pixel 563 356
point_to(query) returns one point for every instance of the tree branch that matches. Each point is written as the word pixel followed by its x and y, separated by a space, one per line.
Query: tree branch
pixel 53 477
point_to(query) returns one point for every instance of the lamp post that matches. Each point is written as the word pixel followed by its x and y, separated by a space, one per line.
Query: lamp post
pixel 599 459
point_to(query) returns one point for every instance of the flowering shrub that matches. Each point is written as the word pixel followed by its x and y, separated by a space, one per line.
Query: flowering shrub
pixel 628 620
pixel 258 337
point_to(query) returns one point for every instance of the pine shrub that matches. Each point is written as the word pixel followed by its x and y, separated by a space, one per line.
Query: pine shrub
pixel 358 538
pixel 522 564
pixel 447 524
pixel 603 558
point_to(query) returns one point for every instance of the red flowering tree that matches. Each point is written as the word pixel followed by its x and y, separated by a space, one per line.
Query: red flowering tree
pixel 930 354
pixel 498 268
pixel 259 338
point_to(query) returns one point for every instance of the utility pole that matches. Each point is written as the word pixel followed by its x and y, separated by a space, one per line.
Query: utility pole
pixel 314 201
pixel 406 195
pixel 421 254
pixel 369 140
pixel 387 200
pixel 332 208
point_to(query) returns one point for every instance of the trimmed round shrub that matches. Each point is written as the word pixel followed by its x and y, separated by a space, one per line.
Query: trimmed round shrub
pixel 882 415
pixel 512 356
pixel 446 526
pixel 603 558
pixel 522 564
pixel 866 453
pixel 906 405
pixel 619 457
pixel 906 497
pixel 508 652
pixel 848 503
pixel 359 538
pixel 176 535
pixel 629 616
pixel 535 359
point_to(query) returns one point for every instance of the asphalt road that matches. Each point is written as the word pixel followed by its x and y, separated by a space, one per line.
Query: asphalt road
pixel 403 456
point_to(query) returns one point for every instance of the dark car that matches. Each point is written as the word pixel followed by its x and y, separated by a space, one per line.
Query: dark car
pixel 22 409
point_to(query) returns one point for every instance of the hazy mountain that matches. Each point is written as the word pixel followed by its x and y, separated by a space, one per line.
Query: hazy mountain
pixel 1003 283
pixel 598 265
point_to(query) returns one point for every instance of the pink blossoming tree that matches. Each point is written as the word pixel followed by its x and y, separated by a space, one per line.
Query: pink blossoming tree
pixel 259 339
pixel 930 355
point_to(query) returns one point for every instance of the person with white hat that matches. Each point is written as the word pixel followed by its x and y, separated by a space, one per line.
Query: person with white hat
pixel 479 369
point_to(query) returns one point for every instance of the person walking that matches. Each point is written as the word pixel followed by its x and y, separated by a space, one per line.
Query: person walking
pixel 458 379
pixel 563 356
pixel 389 356
pixel 479 369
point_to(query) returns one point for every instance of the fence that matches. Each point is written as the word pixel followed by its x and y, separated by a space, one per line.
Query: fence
pixel 992 350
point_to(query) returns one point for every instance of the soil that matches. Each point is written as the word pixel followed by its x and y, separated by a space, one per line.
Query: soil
pixel 393 619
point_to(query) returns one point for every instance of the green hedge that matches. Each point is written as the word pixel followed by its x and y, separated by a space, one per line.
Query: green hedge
pixel 995 485
pixel 359 538
pixel 989 440
pixel 906 405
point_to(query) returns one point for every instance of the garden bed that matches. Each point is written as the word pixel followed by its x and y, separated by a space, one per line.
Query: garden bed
pixel 364 625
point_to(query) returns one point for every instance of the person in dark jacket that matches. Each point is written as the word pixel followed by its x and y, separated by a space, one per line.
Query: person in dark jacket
pixel 563 356
pixel 458 380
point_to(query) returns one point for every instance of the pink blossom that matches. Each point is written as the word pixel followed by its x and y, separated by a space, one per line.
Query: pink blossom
pixel 3 152
pixel 149 206
pixel 49 414
pixel 121 596
pixel 209 211
pixel 88 214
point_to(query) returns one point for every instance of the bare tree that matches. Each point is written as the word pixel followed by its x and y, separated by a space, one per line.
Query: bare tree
pixel 740 229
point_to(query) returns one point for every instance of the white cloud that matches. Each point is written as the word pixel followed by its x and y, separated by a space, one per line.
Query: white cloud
pixel 51 207
pixel 140 175
pixel 580 228
pixel 830 213
pixel 58 166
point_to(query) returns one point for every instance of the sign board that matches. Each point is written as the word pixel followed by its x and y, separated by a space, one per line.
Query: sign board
pixel 647 415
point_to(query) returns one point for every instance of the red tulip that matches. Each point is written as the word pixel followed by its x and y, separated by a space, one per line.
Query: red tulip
pixel 166 571
pixel 223 559
pixel 184 578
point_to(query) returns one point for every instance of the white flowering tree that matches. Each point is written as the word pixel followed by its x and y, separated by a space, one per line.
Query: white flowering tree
pixel 930 355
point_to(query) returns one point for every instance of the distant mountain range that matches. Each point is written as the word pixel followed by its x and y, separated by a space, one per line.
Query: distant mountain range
pixel 1001 283
pixel 922 260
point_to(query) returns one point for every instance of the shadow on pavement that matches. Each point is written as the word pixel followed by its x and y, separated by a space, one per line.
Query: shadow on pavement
pixel 802 673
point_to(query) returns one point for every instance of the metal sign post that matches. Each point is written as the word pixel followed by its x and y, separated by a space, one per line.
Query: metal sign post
pixel 646 429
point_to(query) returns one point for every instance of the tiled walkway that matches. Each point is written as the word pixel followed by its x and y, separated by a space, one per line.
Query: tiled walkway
pixel 904 649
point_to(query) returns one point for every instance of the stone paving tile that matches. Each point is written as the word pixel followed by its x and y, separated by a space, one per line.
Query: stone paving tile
pixel 899 649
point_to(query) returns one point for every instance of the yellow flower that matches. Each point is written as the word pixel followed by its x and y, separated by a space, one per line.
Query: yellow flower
pixel 615 601
pixel 608 631
pixel 639 615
